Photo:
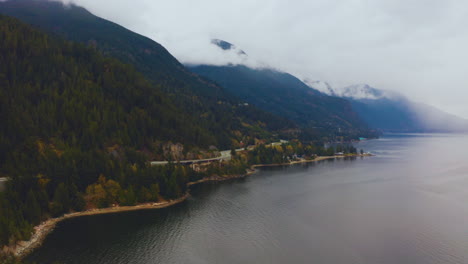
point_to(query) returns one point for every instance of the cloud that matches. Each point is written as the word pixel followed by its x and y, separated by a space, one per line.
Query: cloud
pixel 416 47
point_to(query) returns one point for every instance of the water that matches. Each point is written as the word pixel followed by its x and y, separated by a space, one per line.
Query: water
pixel 409 205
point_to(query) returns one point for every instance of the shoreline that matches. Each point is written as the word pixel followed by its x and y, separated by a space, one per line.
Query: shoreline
pixel 24 248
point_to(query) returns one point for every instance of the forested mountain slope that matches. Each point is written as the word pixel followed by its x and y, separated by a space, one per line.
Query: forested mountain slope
pixel 78 129
pixel 59 89
pixel 285 95
pixel 208 104
pixel 77 24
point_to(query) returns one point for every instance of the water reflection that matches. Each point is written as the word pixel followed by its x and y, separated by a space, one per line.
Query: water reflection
pixel 406 205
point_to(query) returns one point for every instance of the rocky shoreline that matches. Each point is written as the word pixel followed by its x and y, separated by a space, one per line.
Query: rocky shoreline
pixel 23 248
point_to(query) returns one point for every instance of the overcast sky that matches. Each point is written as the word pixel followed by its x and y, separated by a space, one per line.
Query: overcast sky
pixel 416 47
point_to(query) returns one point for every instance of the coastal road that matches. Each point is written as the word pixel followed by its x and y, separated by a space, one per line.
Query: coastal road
pixel 225 155
pixel 2 183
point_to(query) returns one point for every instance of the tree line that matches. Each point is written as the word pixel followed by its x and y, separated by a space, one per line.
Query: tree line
pixel 78 130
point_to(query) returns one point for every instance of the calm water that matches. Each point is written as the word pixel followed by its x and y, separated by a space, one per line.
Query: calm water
pixel 409 205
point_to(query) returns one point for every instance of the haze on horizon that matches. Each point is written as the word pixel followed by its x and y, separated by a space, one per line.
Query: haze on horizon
pixel 415 47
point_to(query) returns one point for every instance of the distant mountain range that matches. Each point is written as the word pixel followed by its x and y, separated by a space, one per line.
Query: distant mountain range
pixel 86 104
pixel 392 112
pixel 215 96
pixel 283 94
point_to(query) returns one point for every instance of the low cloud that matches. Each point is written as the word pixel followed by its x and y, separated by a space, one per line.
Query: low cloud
pixel 416 47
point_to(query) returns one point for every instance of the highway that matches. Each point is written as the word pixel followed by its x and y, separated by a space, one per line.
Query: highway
pixel 2 183
pixel 225 155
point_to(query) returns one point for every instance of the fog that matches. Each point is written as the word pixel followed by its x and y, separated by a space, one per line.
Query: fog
pixel 415 47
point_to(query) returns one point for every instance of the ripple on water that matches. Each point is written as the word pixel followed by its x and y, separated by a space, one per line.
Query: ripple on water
pixel 405 206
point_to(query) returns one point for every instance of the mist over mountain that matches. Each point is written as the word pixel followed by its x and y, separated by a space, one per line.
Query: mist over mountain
pixel 240 75
pixel 393 112
pixel 210 105
pixel 283 94
pixel 98 119
pixel 224 45
pixel 321 86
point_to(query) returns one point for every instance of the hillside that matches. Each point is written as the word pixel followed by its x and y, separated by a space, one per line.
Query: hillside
pixel 78 130
pixel 209 105
pixel 77 24
pixel 282 94
pixel 65 94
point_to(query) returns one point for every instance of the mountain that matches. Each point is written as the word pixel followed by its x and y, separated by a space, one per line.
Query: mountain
pixel 71 117
pixel 209 105
pixel 224 45
pixel 363 91
pixel 78 24
pixel 392 112
pixel 283 94
pixel 321 86
pixel 52 90
pixel 358 91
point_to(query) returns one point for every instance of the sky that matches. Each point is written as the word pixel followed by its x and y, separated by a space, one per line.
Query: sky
pixel 415 47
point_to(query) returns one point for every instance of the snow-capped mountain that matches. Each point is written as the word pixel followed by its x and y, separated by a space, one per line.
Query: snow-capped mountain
pixel 313 103
pixel 280 93
pixel 391 111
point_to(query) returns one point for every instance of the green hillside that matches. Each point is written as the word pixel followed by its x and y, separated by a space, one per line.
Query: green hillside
pixel 79 129
pixel 208 104
pixel 284 95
